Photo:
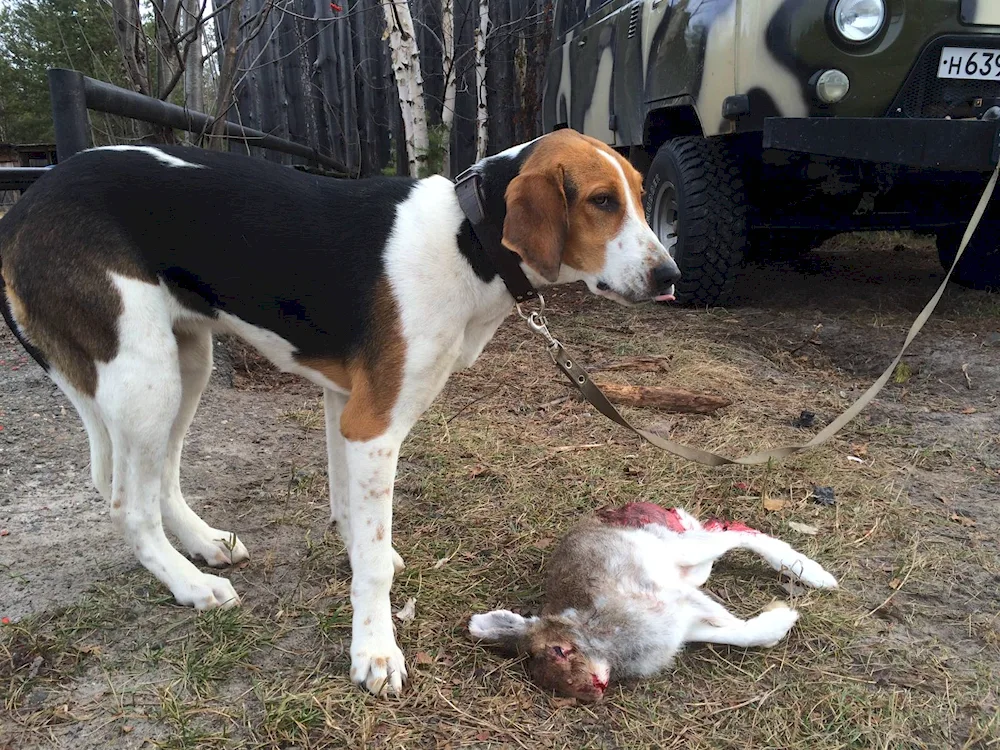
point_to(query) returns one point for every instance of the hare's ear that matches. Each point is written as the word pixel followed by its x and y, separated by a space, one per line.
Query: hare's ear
pixel 501 626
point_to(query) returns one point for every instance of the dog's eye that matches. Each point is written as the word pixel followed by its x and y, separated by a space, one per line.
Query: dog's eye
pixel 560 651
pixel 603 201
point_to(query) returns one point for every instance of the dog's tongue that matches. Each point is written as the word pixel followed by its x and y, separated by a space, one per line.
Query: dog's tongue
pixel 665 298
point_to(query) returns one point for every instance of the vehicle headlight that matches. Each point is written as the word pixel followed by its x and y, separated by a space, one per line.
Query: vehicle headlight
pixel 859 20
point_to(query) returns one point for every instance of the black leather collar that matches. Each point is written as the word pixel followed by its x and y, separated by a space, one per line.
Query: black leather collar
pixel 468 188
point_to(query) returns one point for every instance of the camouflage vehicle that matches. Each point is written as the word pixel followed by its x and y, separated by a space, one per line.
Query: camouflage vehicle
pixel 774 124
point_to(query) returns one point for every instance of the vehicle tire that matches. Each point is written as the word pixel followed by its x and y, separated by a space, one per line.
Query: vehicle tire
pixel 980 264
pixel 697 205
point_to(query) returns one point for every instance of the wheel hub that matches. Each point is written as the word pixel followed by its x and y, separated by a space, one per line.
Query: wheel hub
pixel 665 216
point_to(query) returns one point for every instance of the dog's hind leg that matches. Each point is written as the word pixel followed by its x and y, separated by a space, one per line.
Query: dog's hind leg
pixel 97 434
pixel 215 547
pixel 333 409
pixel 139 395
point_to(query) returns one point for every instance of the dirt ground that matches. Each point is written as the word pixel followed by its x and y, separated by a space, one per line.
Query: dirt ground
pixel 96 655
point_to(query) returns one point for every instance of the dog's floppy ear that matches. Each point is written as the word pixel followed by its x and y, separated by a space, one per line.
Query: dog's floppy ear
pixel 503 627
pixel 537 220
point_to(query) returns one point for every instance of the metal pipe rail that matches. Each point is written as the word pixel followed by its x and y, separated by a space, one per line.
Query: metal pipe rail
pixel 73 93
pixel 20 178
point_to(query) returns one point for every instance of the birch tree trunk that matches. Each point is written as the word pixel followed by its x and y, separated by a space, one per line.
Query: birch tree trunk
pixel 450 80
pixel 194 80
pixel 409 81
pixel 481 109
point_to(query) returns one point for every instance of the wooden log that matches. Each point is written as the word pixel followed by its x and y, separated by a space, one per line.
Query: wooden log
pixel 663 397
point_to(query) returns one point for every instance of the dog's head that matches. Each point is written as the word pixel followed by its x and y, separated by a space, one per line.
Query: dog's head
pixel 574 213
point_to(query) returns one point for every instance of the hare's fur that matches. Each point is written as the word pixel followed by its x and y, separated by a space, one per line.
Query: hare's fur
pixel 623 596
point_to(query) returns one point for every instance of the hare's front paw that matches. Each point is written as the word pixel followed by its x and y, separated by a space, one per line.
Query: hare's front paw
pixel 813 574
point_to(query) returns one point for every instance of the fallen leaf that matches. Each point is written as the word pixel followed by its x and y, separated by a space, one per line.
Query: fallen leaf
pixel 964 520
pixel 479 471
pixel 127 728
pixel 91 649
pixel 423 657
pixel 803 528
pixel 543 543
pixel 774 503
pixel 408 611
pixel 483 736
pixel 742 486
pixel 859 449
pixel 4 532
pixel 969 410
pixel 4 621
pixel 895 583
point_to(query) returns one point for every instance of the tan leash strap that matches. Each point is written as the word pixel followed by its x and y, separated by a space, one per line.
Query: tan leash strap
pixel 578 376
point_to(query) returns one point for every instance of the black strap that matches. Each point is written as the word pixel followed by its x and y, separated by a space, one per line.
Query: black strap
pixel 468 187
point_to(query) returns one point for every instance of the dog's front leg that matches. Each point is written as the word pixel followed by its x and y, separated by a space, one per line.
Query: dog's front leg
pixel 334 404
pixel 376 660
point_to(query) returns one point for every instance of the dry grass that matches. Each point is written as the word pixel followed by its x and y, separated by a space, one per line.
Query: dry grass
pixel 492 475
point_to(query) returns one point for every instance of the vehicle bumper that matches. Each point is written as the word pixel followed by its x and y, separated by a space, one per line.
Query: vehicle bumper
pixel 934 144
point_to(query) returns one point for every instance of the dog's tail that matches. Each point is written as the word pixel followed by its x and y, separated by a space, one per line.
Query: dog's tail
pixel 8 316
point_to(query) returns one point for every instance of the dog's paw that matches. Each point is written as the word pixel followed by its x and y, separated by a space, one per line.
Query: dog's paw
pixel 205 591
pixel 770 627
pixel 217 548
pixel 397 563
pixel 379 667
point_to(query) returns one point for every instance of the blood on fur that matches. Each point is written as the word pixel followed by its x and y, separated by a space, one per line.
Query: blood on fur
pixel 637 515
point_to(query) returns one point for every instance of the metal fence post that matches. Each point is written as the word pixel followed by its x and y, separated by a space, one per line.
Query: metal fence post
pixel 69 112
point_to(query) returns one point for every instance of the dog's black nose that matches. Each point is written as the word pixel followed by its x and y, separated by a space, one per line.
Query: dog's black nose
pixel 665 276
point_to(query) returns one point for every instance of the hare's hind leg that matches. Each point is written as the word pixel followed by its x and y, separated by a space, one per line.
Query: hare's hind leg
pixel 698 548
pixel 718 625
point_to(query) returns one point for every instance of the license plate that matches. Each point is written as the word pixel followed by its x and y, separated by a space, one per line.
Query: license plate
pixel 970 64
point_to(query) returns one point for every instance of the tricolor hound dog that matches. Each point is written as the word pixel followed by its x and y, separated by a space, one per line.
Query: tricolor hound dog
pixel 122 261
